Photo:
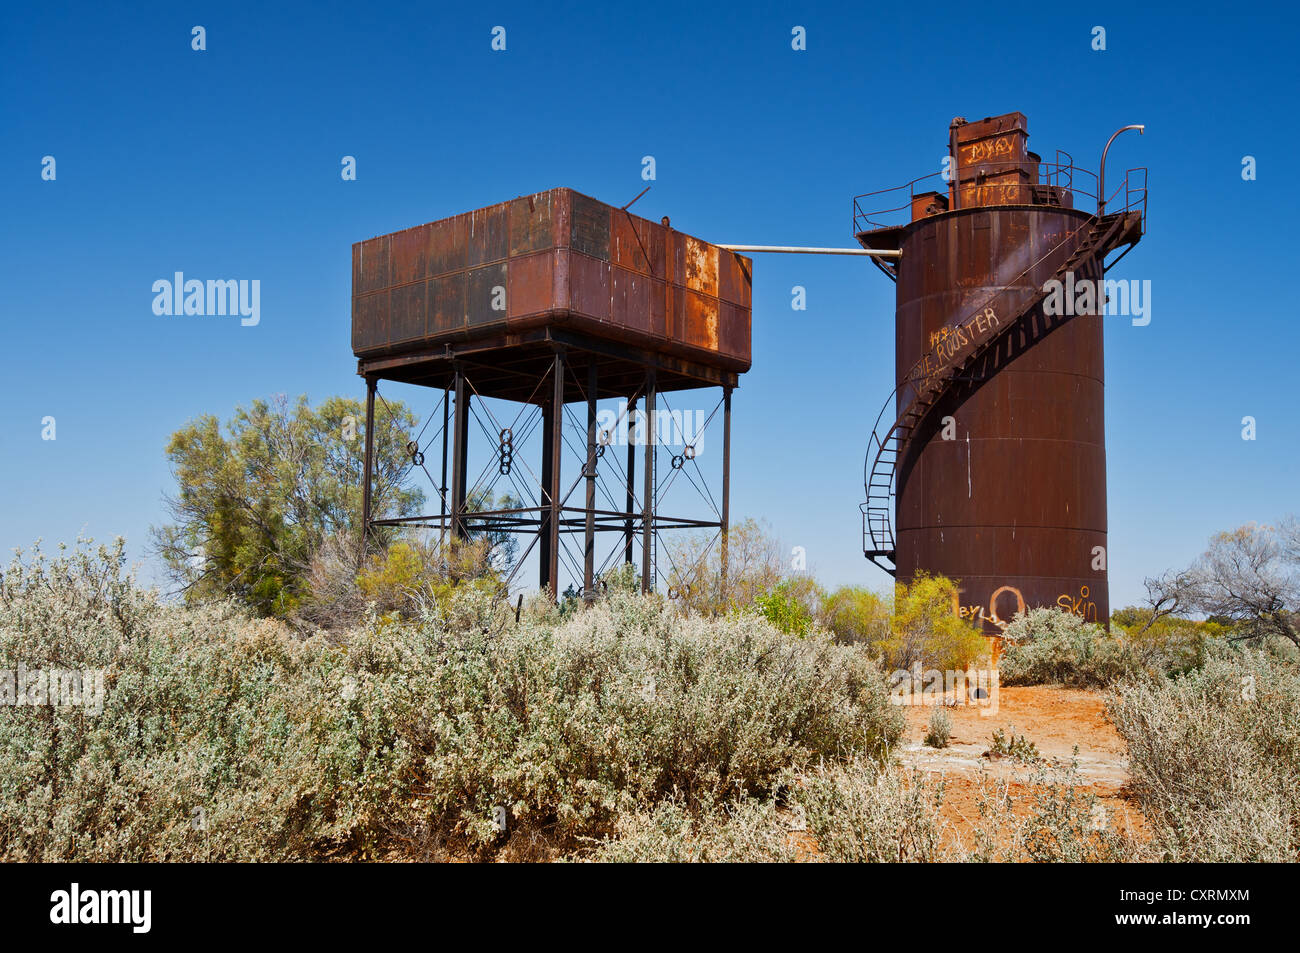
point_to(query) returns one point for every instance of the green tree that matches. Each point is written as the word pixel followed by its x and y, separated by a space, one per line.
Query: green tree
pixel 926 630
pixel 789 605
pixel 256 499
pixel 856 614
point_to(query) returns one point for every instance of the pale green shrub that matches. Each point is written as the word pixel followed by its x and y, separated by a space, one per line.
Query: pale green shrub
pixel 1215 759
pixel 227 738
pixel 1049 646
pixel 938 733
pixel 857 812
pixel 1018 747
pixel 861 813
pixel 199 750
pixel 742 831
pixel 628 703
pixel 1051 818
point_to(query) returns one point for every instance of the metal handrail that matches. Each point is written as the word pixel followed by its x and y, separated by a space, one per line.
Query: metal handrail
pixel 866 216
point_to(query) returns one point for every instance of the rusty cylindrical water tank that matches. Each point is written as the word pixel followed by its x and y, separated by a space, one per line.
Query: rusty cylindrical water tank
pixel 1003 487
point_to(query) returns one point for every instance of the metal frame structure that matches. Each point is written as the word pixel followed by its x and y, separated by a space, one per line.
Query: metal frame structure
pixel 545 373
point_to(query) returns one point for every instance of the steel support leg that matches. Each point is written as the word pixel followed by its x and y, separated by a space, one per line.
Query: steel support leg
pixel 460 455
pixel 442 490
pixel 369 465
pixel 552 448
pixel 648 502
pixel 589 549
pixel 726 481
pixel 631 481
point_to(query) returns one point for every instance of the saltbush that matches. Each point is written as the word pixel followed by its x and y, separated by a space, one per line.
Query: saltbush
pixel 1214 758
pixel 1049 646
pixel 223 737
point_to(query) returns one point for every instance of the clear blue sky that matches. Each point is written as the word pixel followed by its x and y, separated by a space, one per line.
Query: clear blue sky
pixel 225 163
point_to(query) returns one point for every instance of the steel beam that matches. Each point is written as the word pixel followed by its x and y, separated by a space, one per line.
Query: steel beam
pixel 726 481
pixel 369 465
pixel 631 480
pixel 460 454
pixel 589 549
pixel 649 436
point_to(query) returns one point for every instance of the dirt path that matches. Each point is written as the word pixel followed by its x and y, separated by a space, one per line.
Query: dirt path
pixel 1056 720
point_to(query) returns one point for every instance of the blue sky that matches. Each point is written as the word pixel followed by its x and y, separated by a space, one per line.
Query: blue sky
pixel 225 163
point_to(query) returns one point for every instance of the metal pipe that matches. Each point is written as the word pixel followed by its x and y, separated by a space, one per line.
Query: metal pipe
pixel 955 189
pixel 1101 175
pixel 804 250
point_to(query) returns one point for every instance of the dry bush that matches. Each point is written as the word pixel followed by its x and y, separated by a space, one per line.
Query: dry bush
pixel 1050 646
pixel 408 576
pixel 740 831
pixel 1053 821
pixel 861 813
pixel 755 566
pixel 1215 758
pixel 295 749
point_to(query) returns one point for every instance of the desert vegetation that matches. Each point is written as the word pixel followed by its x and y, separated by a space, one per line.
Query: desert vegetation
pixel 298 697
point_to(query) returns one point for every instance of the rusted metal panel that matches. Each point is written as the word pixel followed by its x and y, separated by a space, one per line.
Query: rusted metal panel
pixel 486 300
pixel 488 236
pixel 637 245
pixel 701 321
pixel 446 304
pixel 408 313
pixel 991 144
pixel 555 258
pixel 928 203
pixel 370 323
pixel 696 264
pixel 734 281
pixel 532 225
pixel 589 229
pixel 370 265
pixel 448 246
pixel 589 287
pixel 532 285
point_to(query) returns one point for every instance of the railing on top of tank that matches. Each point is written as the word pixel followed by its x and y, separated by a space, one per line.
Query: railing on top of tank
pixel 878 209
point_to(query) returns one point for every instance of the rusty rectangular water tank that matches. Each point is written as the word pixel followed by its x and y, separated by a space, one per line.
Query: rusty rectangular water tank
pixel 553 259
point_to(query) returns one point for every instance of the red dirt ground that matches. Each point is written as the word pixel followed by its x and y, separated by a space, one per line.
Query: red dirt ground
pixel 1057 720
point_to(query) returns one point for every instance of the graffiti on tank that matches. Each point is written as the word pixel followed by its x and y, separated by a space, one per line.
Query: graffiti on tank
pixel 1080 605
pixel 951 340
pixel 980 151
pixel 991 195
pixel 981 614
